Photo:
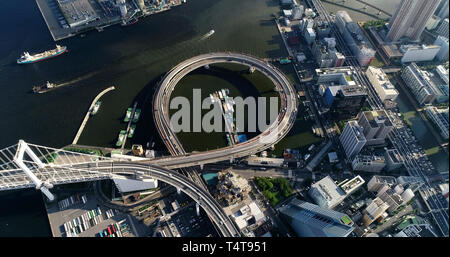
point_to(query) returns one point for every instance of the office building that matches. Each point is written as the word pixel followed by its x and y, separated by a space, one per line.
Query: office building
pixel 420 84
pixel 352 139
pixel 310 35
pixel 440 118
pixel 410 182
pixel 374 211
pixel 442 55
pixel 393 159
pixel 382 84
pixel 327 194
pixel 433 22
pixel 410 19
pixel 442 10
pixel 392 198
pixel 442 30
pixel 368 163
pixel 355 38
pixel 310 220
pixel 375 125
pixel 325 53
pixel 418 53
pixel 297 12
pixel 417 230
pixel 443 73
pixel 347 102
pixel 379 183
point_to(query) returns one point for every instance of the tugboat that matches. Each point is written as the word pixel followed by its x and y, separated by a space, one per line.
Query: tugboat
pixel 44 88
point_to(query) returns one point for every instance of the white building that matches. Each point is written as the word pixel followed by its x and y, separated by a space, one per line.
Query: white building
pixel 418 53
pixel 440 119
pixel 442 55
pixel 327 194
pixel 382 84
pixel 352 139
pixel 248 215
pixel 368 163
pixel 443 28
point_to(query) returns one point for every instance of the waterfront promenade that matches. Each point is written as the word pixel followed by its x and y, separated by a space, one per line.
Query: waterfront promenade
pixel 86 118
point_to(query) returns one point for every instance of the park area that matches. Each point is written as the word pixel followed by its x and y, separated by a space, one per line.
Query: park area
pixel 275 190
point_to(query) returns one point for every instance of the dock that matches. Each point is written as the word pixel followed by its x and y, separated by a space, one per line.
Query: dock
pixel 86 118
pixel 129 125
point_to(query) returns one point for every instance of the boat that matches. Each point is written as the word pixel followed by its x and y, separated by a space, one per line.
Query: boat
pixel 44 88
pixel 28 58
pixel 210 33
pixel 131 132
pixel 128 115
pixel 121 138
pixel 96 107
pixel 137 114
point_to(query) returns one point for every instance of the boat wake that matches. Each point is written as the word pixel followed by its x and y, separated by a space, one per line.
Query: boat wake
pixel 207 35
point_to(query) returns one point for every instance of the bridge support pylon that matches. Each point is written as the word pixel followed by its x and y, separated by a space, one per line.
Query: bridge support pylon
pixel 206 66
pixel 201 166
pixel 197 209
pixel 251 69
pixel 178 191
pixel 18 159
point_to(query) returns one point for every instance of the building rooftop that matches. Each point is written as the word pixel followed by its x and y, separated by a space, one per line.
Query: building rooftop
pixel 329 191
pixel 353 184
pixel 315 220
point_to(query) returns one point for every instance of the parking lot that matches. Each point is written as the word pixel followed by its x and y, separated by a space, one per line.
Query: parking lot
pixel 88 218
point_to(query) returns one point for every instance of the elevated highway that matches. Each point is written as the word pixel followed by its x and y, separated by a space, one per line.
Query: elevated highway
pixel 272 135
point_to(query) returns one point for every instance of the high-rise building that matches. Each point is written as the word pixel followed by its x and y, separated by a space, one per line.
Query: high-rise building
pixel 410 182
pixel 442 10
pixel 442 55
pixel 392 198
pixel 376 126
pixel 442 30
pixel 433 22
pixel 310 220
pixel 352 139
pixel 297 12
pixel 355 38
pixel 374 211
pixel 411 18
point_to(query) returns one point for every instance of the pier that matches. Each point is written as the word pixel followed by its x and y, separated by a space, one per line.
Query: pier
pixel 86 118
